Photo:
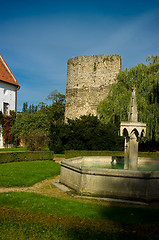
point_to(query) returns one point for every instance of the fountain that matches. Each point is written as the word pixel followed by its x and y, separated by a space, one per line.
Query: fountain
pixel 95 175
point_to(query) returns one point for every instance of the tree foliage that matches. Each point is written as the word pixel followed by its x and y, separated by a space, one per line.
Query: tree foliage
pixel 145 77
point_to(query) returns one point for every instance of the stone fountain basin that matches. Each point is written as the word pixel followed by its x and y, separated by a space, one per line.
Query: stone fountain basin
pixel 118 183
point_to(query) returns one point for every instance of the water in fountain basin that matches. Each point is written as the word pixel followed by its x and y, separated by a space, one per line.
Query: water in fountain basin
pixel 95 164
pixel 120 165
pixel 148 167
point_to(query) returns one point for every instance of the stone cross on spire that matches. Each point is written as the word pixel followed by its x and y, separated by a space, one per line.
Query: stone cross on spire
pixel 133 114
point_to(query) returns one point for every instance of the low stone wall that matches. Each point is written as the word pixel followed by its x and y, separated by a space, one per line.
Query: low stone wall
pixel 126 184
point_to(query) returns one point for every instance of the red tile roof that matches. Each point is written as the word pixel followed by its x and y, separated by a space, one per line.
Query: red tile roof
pixel 5 73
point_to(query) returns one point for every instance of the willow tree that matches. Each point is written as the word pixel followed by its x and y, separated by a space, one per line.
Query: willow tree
pixel 145 77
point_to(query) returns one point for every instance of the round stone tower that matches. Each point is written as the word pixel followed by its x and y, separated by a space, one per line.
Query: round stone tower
pixel 88 82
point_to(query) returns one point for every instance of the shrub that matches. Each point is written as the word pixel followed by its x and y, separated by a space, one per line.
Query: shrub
pixel 35 140
pixel 25 156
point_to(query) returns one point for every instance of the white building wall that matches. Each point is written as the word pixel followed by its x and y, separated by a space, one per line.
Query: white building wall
pixel 1 138
pixel 8 95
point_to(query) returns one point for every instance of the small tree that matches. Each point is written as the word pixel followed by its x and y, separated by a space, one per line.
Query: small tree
pixel 32 129
pixel 56 97
pixel 33 124
pixel 56 111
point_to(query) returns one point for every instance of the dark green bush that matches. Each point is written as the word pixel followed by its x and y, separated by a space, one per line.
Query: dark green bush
pixel 26 156
pixel 86 133
pixel 78 153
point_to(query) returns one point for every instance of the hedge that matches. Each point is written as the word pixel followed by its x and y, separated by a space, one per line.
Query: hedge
pixel 77 153
pixel 26 156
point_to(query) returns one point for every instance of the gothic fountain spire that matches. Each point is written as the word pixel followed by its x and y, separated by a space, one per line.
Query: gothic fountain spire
pixel 133 114
pixel 132 130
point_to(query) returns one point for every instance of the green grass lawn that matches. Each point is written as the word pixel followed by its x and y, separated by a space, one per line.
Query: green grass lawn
pixel 51 205
pixel 20 224
pixel 35 216
pixel 27 173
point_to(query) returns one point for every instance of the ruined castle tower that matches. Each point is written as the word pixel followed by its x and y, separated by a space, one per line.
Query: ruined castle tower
pixel 88 82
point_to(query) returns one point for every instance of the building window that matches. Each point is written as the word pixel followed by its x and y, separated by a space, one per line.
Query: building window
pixel 5 91
pixel 5 108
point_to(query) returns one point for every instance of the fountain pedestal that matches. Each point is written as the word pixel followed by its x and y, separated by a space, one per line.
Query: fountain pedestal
pixel 133 151
pixel 132 130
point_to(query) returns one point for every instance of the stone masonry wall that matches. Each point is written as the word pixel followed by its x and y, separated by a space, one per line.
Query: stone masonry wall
pixel 88 82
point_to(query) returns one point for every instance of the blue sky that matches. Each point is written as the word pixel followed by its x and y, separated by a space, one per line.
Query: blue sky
pixel 38 37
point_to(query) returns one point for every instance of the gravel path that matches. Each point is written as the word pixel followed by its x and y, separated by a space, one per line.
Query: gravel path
pixel 44 188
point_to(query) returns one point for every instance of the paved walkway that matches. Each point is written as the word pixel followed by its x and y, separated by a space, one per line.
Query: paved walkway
pixel 59 159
